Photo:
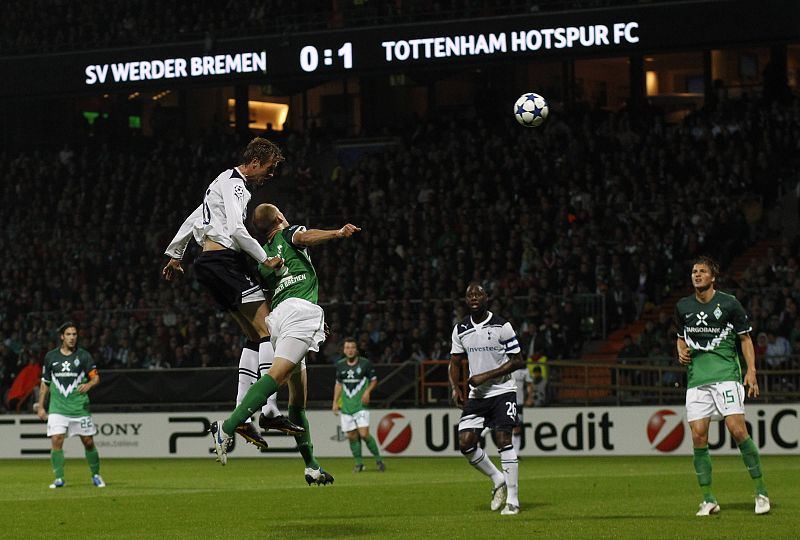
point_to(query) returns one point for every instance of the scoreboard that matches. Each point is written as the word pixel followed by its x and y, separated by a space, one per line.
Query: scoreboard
pixel 526 37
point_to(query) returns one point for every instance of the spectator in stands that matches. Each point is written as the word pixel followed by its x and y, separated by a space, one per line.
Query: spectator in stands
pixel 541 390
pixel 760 347
pixel 629 350
pixel 394 276
pixel 778 350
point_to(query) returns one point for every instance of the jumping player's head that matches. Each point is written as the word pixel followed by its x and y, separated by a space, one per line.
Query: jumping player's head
pixel 350 348
pixel 267 218
pixel 476 298
pixel 705 272
pixel 68 334
pixel 259 161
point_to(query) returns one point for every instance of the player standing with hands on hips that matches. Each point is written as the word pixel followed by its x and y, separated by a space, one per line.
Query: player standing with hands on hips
pixel 492 350
pixel 708 322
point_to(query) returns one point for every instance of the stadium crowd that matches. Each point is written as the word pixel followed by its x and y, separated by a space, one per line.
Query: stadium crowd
pixel 595 204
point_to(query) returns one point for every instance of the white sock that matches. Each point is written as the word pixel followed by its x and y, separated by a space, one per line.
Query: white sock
pixel 510 465
pixel 516 439
pixel 266 355
pixel 478 459
pixel 248 370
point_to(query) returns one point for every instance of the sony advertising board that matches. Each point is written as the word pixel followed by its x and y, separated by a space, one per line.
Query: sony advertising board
pixel 612 431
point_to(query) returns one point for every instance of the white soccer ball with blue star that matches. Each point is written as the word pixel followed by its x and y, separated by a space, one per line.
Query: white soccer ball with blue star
pixel 531 110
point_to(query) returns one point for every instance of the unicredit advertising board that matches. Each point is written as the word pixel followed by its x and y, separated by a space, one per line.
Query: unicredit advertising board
pixel 420 432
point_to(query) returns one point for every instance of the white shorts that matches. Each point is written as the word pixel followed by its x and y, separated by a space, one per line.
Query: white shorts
pixel 715 401
pixel 58 424
pixel 296 326
pixel 352 421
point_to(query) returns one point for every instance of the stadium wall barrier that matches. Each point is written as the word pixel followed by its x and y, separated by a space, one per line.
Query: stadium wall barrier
pixel 577 431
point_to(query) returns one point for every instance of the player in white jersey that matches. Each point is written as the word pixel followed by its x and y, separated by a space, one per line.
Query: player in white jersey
pixel 490 345
pixel 524 384
pixel 217 225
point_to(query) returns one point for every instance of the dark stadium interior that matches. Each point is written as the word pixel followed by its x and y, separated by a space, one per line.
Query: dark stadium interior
pixel 582 231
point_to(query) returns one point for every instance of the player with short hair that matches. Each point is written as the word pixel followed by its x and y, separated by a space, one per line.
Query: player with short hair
pixel 355 381
pixel 491 347
pixel 217 225
pixel 708 322
pixel 296 325
pixel 71 372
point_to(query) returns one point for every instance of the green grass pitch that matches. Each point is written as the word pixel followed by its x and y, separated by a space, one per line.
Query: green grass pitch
pixel 621 497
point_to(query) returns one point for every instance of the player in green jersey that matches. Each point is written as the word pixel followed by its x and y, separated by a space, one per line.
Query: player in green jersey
pixel 708 322
pixel 70 372
pixel 296 325
pixel 355 381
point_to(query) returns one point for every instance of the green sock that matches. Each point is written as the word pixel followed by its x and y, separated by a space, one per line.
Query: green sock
pixel 298 416
pixel 355 448
pixel 57 460
pixel 702 467
pixel 94 460
pixel 373 447
pixel 253 400
pixel 753 463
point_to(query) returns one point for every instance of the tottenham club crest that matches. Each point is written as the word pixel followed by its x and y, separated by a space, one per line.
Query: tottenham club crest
pixel 717 313
pixel 701 319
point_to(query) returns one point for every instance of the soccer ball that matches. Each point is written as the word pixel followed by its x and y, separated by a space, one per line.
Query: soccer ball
pixel 531 110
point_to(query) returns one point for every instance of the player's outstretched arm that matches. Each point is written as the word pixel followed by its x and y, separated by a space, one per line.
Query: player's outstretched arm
pixel 313 237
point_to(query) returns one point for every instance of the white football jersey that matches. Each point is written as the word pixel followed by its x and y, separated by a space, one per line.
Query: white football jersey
pixel 521 379
pixel 487 345
pixel 220 218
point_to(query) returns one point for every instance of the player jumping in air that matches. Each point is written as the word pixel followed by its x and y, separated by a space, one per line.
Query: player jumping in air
pixel 296 325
